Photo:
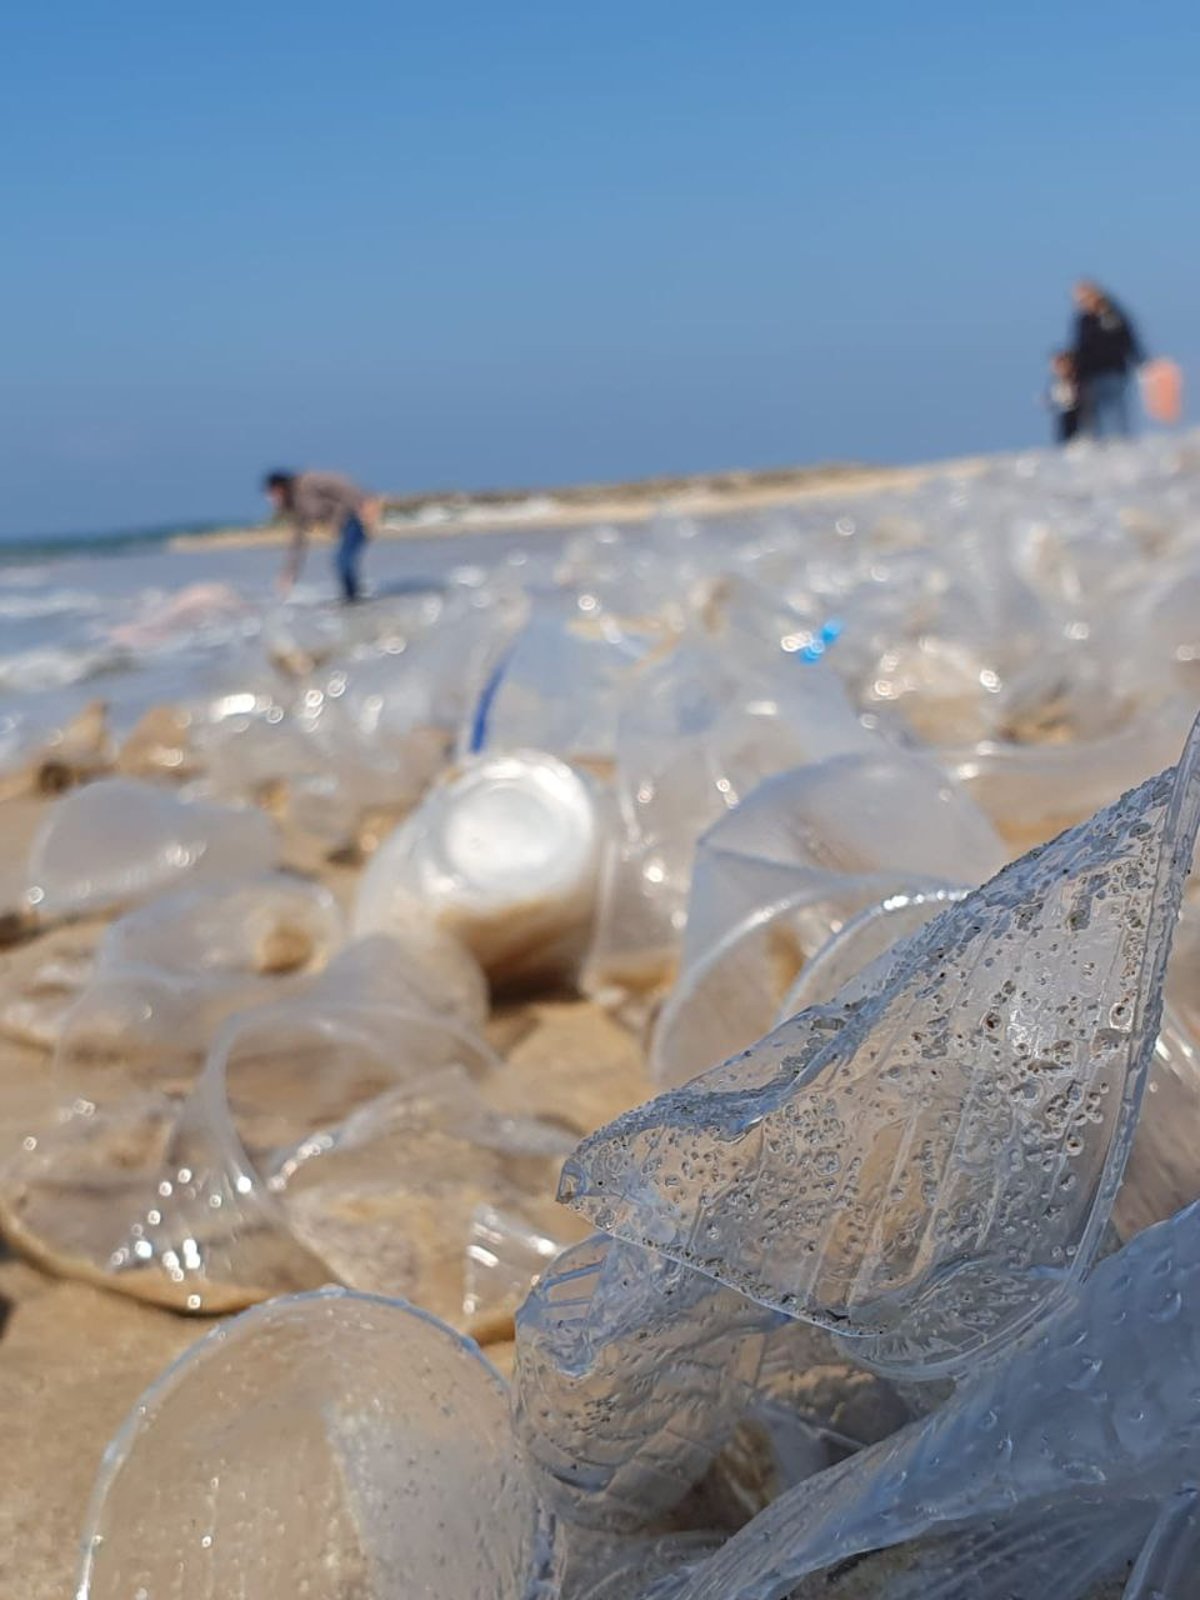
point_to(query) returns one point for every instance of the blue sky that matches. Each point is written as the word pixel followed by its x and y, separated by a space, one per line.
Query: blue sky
pixel 489 244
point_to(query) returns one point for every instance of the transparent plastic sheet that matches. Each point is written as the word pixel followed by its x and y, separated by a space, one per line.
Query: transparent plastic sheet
pixel 1162 1175
pixel 1072 1551
pixel 745 621
pixel 379 730
pixel 696 736
pixel 935 634
pixel 1162 635
pixel 978 1109
pixel 137 1029
pixel 154 1178
pixel 934 684
pixel 559 684
pixel 779 875
pixel 1066 694
pixel 319 1143
pixel 414 966
pixel 134 1025
pixel 347 799
pixel 393 1203
pixel 368 722
pixel 1183 973
pixel 859 957
pixel 1032 792
pixel 1166 1568
pixel 326 1445
pixel 108 1196
pixel 34 1005
pixel 1096 1407
pixel 505 1257
pixel 249 744
pixel 632 1372
pixel 650 1399
pixel 262 927
pixel 733 992
pixel 119 841
pixel 598 1566
pixel 881 810
pixel 640 576
pixel 37 757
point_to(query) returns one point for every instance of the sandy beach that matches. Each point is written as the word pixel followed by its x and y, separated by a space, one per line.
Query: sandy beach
pixel 599 805
pixel 636 501
pixel 74 1358
pixel 74 1355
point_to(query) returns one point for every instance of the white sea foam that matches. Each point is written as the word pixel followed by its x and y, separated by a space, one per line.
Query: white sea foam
pixel 50 667
pixel 22 607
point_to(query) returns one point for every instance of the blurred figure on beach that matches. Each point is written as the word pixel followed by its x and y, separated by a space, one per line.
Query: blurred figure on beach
pixel 1106 352
pixel 1061 396
pixel 311 500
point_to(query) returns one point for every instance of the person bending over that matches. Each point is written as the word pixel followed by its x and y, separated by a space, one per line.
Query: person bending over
pixel 311 500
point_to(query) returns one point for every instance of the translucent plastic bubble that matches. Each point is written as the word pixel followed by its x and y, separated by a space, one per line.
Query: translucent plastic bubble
pixel 775 878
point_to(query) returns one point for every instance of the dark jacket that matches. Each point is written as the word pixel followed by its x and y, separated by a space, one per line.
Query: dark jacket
pixel 1105 342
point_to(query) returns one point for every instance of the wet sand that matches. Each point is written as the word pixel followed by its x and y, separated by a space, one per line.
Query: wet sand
pixel 74 1359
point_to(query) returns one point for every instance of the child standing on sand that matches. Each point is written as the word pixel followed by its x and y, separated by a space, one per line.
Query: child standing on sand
pixel 1062 396
pixel 309 500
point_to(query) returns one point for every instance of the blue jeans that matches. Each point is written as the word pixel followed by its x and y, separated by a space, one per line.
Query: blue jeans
pixel 1106 407
pixel 348 555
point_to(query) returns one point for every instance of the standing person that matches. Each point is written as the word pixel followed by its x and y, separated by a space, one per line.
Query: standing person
pixel 309 500
pixel 1106 351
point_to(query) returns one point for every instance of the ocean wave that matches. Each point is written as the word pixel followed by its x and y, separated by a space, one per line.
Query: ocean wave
pixel 24 606
pixel 48 667
pixel 475 513
pixel 40 548
pixel 199 612
pixel 26 576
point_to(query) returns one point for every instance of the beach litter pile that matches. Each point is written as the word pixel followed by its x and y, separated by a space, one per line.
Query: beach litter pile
pixel 870 824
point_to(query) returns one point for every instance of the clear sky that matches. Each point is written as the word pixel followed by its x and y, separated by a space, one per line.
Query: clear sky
pixel 505 243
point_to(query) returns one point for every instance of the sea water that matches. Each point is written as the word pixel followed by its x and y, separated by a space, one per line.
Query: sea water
pixel 114 622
